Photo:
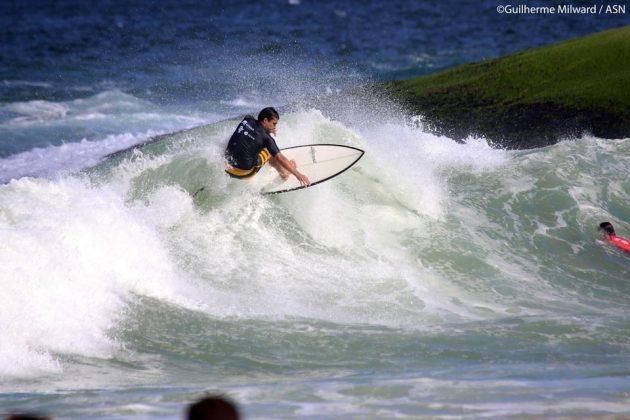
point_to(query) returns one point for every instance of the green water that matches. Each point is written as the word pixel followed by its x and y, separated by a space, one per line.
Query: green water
pixel 432 279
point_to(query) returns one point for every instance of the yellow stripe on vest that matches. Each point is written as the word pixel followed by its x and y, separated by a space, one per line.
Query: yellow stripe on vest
pixel 240 173
pixel 263 157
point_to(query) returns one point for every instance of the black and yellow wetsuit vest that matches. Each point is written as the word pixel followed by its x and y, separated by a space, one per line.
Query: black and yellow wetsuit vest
pixel 249 148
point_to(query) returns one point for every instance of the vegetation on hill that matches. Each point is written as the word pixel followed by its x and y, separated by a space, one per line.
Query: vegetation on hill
pixel 532 98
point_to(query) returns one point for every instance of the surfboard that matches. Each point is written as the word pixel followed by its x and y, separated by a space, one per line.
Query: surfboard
pixel 319 162
pixel 619 242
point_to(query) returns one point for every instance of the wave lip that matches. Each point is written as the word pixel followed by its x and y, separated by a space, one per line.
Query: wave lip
pixel 66 158
pixel 43 138
pixel 40 111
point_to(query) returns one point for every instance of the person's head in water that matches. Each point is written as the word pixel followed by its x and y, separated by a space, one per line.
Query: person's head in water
pixel 268 118
pixel 213 408
pixel 607 227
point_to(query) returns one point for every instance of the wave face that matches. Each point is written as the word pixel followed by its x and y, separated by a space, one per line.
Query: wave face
pixel 432 278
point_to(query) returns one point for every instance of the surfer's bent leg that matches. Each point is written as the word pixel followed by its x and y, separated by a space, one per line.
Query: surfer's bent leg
pixel 263 157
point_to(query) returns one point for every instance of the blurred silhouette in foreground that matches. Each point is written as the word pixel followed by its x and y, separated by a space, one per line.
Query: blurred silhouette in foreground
pixel 213 408
pixel 26 417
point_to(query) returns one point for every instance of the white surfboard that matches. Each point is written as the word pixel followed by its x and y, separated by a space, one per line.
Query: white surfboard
pixel 319 162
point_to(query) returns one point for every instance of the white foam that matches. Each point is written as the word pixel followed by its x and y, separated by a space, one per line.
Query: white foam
pixel 251 251
pixel 68 157
pixel 71 256
pixel 113 107
pixel 41 111
pixel 30 83
pixel 411 163
pixel 36 110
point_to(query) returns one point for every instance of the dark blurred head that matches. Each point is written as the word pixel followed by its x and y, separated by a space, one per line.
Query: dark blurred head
pixel 27 417
pixel 213 408
pixel 607 227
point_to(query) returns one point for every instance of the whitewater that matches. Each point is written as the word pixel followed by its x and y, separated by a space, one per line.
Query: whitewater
pixel 434 278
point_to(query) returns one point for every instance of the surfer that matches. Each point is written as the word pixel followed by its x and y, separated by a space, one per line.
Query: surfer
pixel 252 146
pixel 612 237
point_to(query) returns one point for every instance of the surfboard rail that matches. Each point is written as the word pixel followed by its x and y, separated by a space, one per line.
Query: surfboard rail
pixel 353 157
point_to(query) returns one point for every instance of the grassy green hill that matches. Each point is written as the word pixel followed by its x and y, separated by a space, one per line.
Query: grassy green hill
pixel 531 98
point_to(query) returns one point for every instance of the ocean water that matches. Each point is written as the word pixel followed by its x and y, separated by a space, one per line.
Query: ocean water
pixel 434 279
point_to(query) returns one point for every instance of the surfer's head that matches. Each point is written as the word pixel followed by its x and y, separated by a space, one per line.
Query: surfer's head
pixel 607 227
pixel 268 118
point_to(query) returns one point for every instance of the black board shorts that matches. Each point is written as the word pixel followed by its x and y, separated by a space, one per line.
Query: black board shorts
pixel 263 157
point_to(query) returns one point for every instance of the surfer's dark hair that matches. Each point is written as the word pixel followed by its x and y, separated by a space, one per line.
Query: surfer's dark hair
pixel 607 227
pixel 268 113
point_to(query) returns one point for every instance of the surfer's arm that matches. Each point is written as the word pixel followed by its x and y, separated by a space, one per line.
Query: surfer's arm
pixel 286 164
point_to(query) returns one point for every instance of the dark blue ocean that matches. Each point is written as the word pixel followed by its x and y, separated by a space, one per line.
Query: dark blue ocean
pixel 432 280
pixel 73 71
